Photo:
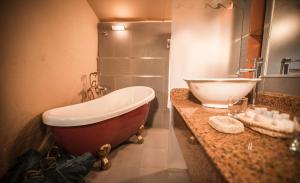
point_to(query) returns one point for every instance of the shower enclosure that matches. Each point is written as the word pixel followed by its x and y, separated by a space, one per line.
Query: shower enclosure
pixel 137 55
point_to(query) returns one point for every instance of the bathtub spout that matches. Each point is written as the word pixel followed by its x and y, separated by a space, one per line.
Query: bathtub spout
pixel 103 155
pixel 140 138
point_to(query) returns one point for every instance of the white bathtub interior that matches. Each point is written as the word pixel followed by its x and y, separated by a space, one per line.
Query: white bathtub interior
pixel 112 105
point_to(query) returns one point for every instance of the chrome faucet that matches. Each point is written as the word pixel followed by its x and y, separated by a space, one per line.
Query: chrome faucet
pixel 258 68
pixel 258 64
pixel 286 64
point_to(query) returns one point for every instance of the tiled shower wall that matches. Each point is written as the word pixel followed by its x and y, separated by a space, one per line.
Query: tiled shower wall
pixel 137 56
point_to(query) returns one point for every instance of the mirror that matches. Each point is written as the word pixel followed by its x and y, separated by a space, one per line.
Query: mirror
pixel 282 38
pixel 248 34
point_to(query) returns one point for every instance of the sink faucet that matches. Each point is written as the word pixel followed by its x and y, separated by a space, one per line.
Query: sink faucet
pixel 257 70
pixel 286 66
pixel 258 65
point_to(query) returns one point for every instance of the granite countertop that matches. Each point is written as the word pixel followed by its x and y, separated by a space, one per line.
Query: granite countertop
pixel 245 157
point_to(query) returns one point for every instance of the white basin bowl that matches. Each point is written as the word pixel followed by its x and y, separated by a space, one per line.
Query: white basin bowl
pixel 217 92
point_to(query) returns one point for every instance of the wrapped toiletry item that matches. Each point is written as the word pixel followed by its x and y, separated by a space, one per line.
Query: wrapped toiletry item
pixel 250 113
pixel 284 116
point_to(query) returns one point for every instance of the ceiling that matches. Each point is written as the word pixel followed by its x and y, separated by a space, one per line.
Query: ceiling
pixel 131 10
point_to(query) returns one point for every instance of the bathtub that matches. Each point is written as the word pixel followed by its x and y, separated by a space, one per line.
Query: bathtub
pixel 111 119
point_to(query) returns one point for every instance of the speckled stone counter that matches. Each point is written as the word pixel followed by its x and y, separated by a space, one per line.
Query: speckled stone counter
pixel 245 157
pixel 282 102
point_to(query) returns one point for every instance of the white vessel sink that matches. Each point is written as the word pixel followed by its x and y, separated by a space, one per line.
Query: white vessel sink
pixel 217 92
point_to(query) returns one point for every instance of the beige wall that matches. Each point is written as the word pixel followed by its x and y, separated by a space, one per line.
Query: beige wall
pixel 201 41
pixel 46 49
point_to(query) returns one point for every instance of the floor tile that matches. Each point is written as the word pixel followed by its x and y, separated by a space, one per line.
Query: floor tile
pixel 95 176
pixel 156 140
pixel 154 158
pixel 153 175
pixel 140 163
pixel 128 158
pixel 151 131
pixel 122 175
pixel 179 176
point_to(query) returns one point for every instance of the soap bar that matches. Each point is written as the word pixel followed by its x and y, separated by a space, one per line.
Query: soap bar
pixel 226 124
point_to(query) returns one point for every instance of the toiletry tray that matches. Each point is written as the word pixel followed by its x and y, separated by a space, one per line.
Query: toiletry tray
pixel 262 128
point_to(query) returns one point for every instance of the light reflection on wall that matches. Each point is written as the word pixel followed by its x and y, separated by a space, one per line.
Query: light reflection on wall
pixel 121 34
pixel 284 37
pixel 201 41
pixel 122 10
pixel 285 29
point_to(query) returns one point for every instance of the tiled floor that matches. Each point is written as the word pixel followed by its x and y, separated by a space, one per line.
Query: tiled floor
pixel 141 163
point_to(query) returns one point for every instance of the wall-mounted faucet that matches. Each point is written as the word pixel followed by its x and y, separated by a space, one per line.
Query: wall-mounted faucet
pixel 95 90
pixel 286 66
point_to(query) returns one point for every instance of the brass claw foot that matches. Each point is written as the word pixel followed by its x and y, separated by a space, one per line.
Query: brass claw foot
pixel 140 139
pixel 103 153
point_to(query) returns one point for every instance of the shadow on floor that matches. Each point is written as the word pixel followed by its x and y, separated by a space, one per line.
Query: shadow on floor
pixel 153 110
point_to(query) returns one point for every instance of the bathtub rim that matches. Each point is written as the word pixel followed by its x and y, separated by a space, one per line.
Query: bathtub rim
pixel 58 121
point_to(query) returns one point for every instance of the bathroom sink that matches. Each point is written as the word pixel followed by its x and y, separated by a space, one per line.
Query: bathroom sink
pixel 217 92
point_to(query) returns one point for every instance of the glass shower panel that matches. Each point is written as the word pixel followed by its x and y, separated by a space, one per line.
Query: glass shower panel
pixel 137 56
